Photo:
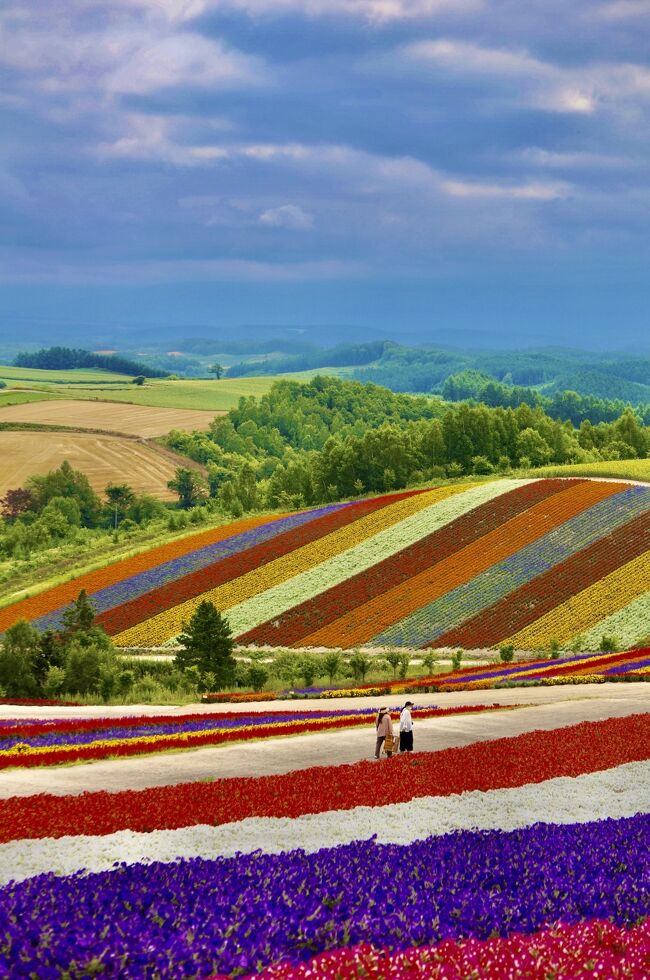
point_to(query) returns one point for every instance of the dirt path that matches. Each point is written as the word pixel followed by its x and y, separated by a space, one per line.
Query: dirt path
pixel 551 708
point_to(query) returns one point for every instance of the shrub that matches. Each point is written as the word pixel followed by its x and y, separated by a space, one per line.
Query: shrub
pixel 506 653
pixel 608 644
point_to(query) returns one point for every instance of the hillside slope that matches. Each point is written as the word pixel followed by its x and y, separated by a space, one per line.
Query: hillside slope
pixel 468 565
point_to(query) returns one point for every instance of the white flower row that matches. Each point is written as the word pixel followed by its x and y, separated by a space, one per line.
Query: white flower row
pixel 619 792
pixel 627 624
pixel 382 544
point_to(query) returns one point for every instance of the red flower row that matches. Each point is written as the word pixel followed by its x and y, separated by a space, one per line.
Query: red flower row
pixel 195 740
pixel 330 605
pixel 28 729
pixel 582 951
pixel 549 590
pixel 502 763
pixel 189 586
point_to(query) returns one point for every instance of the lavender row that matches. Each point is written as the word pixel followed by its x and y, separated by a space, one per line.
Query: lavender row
pixel 238 915
pixel 168 571
pixel 488 588
pixel 153 729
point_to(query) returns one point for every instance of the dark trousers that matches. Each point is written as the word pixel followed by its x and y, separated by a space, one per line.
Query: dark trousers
pixel 380 741
pixel 406 741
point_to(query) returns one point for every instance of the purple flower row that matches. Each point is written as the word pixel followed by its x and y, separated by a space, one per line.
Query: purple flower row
pixel 169 571
pixel 630 666
pixel 488 588
pixel 238 915
pixel 149 730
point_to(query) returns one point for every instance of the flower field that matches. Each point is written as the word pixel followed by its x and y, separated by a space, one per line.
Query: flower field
pixel 468 565
pixel 49 743
pixel 517 857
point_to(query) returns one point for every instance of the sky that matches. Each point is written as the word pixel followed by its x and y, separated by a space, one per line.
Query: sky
pixel 471 170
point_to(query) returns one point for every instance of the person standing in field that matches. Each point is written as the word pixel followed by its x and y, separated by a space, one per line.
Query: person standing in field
pixel 406 728
pixel 384 726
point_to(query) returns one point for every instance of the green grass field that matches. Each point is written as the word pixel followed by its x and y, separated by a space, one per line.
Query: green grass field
pixel 156 393
pixel 622 469
pixel 77 376
pixel 14 396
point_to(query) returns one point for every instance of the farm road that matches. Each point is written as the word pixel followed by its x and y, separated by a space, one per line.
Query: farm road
pixel 549 708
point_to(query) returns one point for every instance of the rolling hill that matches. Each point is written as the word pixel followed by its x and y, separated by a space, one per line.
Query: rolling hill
pixel 526 561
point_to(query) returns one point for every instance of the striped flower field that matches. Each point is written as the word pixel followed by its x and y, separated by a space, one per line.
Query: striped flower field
pixel 516 857
pixel 62 741
pixel 467 565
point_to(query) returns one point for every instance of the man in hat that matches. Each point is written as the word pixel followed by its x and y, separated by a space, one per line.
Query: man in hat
pixel 406 728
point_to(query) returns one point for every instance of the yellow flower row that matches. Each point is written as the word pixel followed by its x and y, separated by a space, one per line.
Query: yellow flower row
pixel 21 750
pixel 578 613
pixel 169 623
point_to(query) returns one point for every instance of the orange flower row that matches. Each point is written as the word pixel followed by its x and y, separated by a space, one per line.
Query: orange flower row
pixel 32 607
pixel 370 619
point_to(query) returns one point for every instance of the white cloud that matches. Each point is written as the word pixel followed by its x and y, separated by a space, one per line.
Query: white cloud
pixel 366 173
pixel 126 58
pixel 287 216
pixel 625 9
pixel 523 192
pixel 182 59
pixel 471 58
pixel 573 161
pixel 540 83
pixel 378 11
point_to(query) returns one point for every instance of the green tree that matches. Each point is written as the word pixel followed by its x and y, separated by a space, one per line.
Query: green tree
pixel 392 658
pixel 189 486
pixel 257 676
pixel 66 482
pixel 207 644
pixel 533 446
pixel 404 662
pixel 79 616
pixel 50 653
pixel 119 497
pixel 429 661
pixel 309 668
pixel 286 668
pixel 17 655
pixel 359 665
pixel 138 380
pixel 217 370
pixel 332 663
pixel 456 659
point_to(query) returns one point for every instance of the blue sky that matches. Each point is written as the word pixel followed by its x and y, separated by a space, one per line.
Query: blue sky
pixel 417 168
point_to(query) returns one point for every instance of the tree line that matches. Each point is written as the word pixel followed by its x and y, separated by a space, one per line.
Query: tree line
pixel 68 358
pixel 329 439
pixel 564 405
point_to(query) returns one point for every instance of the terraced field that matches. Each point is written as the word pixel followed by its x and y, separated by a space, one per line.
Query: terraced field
pixel 527 561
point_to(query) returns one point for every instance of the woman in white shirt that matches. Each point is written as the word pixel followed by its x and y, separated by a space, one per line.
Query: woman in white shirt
pixel 406 728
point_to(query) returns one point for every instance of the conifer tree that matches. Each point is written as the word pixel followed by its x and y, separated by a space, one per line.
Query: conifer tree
pixel 207 644
pixel 79 616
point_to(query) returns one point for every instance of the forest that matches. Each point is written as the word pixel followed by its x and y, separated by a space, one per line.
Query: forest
pixel 331 439
pixel 68 358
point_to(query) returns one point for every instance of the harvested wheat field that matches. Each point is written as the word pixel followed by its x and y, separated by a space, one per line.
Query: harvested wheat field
pixel 136 420
pixel 104 459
